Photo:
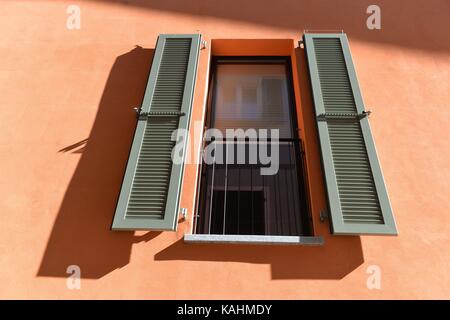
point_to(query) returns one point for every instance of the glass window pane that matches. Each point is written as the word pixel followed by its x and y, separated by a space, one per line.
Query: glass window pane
pixel 252 96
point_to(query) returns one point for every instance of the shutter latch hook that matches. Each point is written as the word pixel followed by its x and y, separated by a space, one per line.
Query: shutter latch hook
pixel 323 215
pixel 183 212
pixel 138 111
pixel 366 113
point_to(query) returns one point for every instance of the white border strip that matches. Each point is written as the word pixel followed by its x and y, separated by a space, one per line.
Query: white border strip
pixel 197 152
pixel 253 239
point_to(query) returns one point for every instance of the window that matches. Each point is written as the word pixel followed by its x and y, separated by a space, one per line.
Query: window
pixel 235 198
pixel 251 95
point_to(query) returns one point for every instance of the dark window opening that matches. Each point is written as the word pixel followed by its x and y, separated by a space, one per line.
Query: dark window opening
pixel 235 197
pixel 243 212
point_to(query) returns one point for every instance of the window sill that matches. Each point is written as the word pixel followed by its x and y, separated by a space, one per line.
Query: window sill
pixel 254 239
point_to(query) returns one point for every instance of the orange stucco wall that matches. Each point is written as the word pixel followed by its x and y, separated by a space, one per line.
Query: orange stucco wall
pixel 66 124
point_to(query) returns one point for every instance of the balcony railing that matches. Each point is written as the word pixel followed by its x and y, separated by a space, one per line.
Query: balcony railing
pixel 237 198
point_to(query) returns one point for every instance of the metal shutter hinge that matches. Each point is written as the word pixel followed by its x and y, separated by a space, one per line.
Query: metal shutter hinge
pixel 343 116
pixel 146 115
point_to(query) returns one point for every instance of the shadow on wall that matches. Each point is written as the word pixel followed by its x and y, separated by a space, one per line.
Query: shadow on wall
pixel 77 147
pixel 421 25
pixel 335 260
pixel 81 234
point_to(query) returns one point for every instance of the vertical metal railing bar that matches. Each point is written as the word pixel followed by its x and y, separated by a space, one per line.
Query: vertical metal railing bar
pixel 280 207
pixel 292 179
pixel 277 205
pixel 266 215
pixel 287 202
pixel 305 191
pixel 197 207
pixel 291 211
pixel 199 188
pixel 251 191
pixel 225 188
pixel 239 199
pixel 212 191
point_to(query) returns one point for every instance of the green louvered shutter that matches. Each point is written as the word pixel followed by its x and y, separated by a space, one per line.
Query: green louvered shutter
pixel 357 197
pixel 150 193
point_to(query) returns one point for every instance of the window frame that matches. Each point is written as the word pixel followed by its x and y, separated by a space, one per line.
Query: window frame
pixel 302 178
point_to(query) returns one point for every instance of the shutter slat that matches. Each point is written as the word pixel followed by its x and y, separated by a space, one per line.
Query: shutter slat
pixel 150 193
pixel 357 196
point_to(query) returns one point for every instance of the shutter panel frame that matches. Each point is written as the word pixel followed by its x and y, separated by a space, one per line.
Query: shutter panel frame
pixel 169 221
pixel 339 226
